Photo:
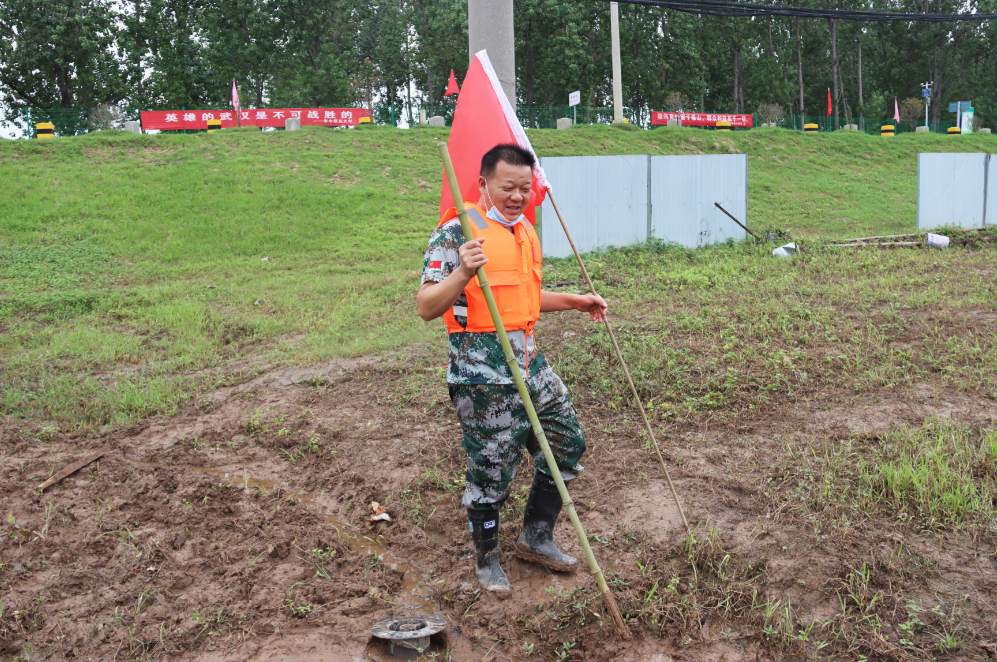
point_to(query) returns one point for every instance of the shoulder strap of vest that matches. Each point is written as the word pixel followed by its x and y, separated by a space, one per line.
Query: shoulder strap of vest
pixel 451 213
pixel 476 218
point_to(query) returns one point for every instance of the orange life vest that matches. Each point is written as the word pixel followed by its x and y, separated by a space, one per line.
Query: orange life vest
pixel 514 271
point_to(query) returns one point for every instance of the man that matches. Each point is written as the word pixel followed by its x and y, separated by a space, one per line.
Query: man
pixel 492 415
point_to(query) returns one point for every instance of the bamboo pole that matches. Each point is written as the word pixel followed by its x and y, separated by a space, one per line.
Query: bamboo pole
pixel 885 236
pixel 531 412
pixel 877 244
pixel 623 364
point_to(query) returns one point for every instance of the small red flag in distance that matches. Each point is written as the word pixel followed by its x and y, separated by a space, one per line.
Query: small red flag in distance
pixel 452 85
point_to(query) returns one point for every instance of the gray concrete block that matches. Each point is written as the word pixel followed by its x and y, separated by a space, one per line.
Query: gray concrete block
pixel 292 124
pixel 921 129
pixel 563 122
pixel 133 126
pixel 984 131
pixel 674 123
pixel 422 117
pixel 851 127
pixel 437 120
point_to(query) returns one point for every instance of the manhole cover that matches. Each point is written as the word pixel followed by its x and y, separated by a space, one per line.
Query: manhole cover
pixel 408 636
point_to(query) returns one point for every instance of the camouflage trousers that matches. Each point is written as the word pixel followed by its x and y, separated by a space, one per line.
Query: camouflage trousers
pixel 496 430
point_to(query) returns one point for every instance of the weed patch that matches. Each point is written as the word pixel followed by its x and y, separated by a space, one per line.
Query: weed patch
pixel 939 474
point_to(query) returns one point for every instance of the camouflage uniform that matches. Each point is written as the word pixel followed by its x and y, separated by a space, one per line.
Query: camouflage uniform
pixel 491 413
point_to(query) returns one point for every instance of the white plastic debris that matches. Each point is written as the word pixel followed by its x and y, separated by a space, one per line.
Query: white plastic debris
pixel 378 513
pixel 786 250
pixel 937 240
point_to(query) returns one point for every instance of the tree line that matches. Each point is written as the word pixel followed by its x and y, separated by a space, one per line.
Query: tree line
pixel 143 54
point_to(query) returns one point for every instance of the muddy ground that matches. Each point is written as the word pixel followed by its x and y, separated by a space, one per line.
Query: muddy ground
pixel 239 530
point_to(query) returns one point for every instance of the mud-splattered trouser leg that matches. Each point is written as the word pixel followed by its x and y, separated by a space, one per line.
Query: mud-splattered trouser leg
pixel 496 430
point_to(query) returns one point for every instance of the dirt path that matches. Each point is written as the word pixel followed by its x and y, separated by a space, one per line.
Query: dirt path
pixel 239 531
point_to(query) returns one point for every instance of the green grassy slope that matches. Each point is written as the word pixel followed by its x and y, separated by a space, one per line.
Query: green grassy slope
pixel 132 265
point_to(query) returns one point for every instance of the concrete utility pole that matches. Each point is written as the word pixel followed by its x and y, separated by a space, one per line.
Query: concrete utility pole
pixel 490 28
pixel 614 30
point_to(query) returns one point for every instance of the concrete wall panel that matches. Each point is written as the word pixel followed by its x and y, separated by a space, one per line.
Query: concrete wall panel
pixel 603 199
pixel 991 186
pixel 623 200
pixel 684 190
pixel 950 190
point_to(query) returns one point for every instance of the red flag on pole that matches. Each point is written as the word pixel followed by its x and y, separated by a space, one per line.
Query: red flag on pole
pixel 896 111
pixel 452 87
pixel 484 118
pixel 829 111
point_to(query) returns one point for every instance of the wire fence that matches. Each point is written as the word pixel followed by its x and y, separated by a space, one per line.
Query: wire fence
pixel 67 121
pixel 76 121
pixel 866 124
pixel 545 117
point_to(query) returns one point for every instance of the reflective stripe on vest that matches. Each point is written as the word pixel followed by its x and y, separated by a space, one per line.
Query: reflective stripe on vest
pixel 514 272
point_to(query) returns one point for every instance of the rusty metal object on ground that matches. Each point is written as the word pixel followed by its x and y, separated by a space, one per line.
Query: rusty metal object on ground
pixel 409 636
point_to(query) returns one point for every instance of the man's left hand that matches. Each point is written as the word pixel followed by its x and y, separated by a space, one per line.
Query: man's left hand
pixel 594 305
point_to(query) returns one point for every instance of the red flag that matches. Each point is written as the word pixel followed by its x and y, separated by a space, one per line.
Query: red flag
pixel 896 111
pixel 235 97
pixel 451 85
pixel 484 118
pixel 829 111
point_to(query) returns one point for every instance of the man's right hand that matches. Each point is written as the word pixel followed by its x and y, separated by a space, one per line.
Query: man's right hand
pixel 472 256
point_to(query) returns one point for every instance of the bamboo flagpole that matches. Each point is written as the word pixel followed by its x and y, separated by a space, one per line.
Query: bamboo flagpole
pixel 623 364
pixel 531 412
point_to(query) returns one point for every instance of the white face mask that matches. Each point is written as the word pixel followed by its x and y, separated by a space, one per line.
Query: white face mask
pixel 497 216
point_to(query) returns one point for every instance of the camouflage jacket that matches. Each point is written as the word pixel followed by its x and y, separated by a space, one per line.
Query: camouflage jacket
pixel 475 358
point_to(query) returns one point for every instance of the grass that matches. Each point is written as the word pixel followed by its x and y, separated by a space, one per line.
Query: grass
pixel 729 331
pixel 940 474
pixel 137 270
pixel 684 592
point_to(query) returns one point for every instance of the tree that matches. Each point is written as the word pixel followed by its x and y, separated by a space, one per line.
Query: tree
pixel 390 53
pixel 167 59
pixel 562 47
pixel 316 40
pixel 243 42
pixel 59 54
pixel 440 29
pixel 912 111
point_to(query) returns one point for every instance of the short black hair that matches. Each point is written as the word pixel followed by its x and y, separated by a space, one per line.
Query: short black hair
pixel 511 153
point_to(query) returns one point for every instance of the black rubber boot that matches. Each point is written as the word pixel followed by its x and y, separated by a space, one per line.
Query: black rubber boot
pixel 485 534
pixel 536 542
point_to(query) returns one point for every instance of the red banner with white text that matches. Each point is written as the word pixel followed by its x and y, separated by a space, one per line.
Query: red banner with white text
pixel 660 118
pixel 174 120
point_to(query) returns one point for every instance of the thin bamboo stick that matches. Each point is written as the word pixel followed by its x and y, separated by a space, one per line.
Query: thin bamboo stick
pixel 885 236
pixel 531 412
pixel 877 244
pixel 623 364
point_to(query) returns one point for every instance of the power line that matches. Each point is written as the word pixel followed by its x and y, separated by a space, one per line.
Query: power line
pixel 733 8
